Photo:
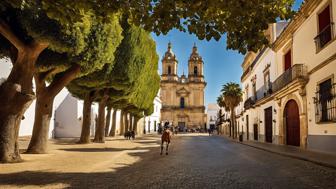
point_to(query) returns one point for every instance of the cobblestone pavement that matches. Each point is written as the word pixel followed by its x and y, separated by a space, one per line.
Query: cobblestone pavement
pixel 193 162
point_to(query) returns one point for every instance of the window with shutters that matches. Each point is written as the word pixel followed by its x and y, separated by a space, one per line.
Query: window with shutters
pixel 288 60
pixel 325 28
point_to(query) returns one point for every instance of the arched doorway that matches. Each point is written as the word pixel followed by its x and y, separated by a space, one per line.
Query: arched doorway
pixel 292 123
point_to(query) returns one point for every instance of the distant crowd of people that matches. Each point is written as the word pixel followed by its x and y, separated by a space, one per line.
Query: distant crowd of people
pixel 176 129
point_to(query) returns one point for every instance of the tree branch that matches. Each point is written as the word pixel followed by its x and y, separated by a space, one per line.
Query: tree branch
pixel 59 83
pixel 13 54
pixel 38 47
pixel 6 31
pixel 44 75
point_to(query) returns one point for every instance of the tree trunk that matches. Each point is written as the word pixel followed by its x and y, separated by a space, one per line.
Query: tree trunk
pixel 85 133
pixel 108 121
pixel 131 123
pixel 44 106
pixel 232 130
pixel 122 127
pixel 13 104
pixel 135 125
pixel 100 131
pixel 43 113
pixel 114 121
pixel 126 122
pixel 16 92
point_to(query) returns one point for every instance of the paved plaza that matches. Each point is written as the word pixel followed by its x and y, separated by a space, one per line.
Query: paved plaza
pixel 194 161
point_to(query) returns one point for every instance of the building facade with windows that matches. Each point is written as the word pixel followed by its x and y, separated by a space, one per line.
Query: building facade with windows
pixel 183 97
pixel 212 115
pixel 256 115
pixel 152 122
pixel 295 104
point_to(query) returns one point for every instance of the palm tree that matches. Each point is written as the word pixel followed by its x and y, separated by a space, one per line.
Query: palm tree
pixel 221 104
pixel 231 97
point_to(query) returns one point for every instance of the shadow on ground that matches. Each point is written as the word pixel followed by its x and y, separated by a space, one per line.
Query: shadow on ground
pixel 99 149
pixel 116 178
pixel 113 179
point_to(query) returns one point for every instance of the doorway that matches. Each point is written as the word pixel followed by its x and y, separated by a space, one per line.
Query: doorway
pixel 255 131
pixel 247 128
pixel 268 125
pixel 292 123
pixel 181 126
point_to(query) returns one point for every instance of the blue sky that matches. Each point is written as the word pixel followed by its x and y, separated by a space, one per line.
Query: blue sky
pixel 220 65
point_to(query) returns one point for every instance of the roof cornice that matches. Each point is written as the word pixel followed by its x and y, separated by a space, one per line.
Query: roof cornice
pixel 305 10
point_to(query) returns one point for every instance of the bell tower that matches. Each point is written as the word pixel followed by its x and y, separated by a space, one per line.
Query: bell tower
pixel 195 66
pixel 169 65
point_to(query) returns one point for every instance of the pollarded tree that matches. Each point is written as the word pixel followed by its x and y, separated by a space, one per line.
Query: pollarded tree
pixel 119 79
pixel 221 104
pixel 23 28
pixel 232 96
pixel 23 36
pixel 87 94
pixel 103 40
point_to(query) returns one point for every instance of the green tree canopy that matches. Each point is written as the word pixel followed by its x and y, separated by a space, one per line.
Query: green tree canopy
pixel 231 94
pixel 244 21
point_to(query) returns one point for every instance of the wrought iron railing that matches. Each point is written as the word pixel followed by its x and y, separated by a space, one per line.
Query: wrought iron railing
pixel 324 36
pixel 297 71
pixel 325 105
pixel 264 91
pixel 249 103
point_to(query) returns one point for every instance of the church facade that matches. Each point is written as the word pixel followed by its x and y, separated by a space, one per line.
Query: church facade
pixel 183 97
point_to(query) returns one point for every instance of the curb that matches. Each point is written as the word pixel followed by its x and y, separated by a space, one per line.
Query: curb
pixel 324 164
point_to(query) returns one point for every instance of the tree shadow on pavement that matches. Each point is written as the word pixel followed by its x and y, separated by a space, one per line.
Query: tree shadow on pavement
pixel 98 149
pixel 116 178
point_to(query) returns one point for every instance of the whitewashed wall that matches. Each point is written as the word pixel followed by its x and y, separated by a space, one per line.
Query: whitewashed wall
pixel 26 127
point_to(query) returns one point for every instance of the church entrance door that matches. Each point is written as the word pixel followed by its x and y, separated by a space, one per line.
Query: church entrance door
pixel 181 126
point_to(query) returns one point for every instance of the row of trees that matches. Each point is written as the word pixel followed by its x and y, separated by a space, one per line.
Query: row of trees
pixel 231 96
pixel 56 42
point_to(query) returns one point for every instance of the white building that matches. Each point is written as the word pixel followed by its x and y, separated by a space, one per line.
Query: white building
pixel 309 43
pixel 212 115
pixel 151 122
pixel 259 108
pixel 289 90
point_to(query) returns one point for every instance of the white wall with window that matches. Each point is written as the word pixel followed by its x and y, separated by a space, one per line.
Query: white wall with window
pixel 212 115
pixel 314 45
pixel 307 58
pixel 151 122
pixel 26 127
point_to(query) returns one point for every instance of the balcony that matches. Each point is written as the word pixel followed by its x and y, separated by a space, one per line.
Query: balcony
pixel 249 103
pixel 264 91
pixel 324 37
pixel 297 71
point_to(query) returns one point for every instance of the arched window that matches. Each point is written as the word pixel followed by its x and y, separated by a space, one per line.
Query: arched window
pixel 182 102
pixel 169 70
pixel 195 70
